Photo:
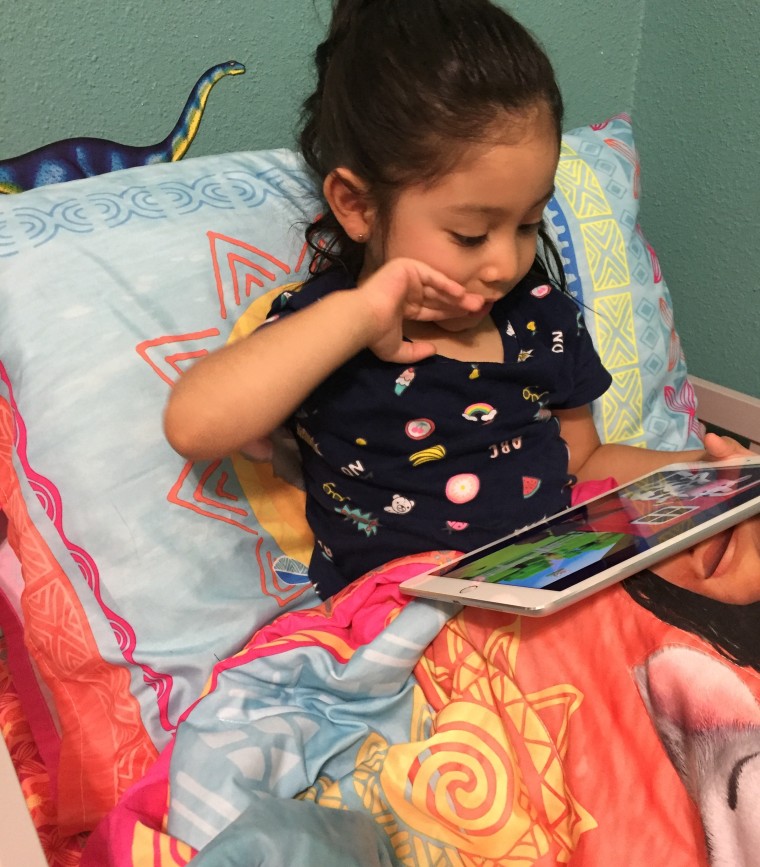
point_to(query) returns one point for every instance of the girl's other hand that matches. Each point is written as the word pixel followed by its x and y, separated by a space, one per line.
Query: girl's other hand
pixel 719 448
pixel 404 289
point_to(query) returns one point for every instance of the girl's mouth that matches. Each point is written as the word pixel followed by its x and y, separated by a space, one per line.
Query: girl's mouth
pixel 717 553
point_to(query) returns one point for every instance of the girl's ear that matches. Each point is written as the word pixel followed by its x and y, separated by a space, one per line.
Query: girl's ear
pixel 350 201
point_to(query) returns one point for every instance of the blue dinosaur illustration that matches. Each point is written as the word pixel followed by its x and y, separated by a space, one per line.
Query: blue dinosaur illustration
pixel 74 158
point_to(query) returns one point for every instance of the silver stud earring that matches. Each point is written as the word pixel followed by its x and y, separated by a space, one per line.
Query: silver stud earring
pixel 361 237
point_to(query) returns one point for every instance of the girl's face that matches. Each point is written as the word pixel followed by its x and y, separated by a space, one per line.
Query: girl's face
pixel 478 224
pixel 725 567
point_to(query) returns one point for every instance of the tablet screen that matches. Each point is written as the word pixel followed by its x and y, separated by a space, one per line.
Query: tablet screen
pixel 582 541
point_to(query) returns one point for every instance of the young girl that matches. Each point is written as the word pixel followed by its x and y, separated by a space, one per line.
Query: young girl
pixel 434 372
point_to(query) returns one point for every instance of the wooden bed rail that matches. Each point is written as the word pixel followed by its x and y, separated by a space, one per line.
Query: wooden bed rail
pixel 728 409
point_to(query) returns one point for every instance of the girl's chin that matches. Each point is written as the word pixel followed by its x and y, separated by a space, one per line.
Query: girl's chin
pixel 457 326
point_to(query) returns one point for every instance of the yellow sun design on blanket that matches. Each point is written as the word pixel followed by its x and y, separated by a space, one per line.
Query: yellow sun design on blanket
pixel 481 782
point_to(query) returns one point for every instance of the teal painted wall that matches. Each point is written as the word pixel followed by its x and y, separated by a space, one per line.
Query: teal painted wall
pixel 697 111
pixel 123 71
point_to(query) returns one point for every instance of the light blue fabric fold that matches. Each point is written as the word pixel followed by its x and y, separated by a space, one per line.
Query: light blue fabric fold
pixel 286 833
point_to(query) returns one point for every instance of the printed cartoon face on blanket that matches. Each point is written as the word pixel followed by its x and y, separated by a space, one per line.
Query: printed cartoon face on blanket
pixel 724 567
pixel 709 723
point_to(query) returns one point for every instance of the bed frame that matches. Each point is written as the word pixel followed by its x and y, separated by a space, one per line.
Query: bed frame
pixel 729 410
pixel 719 407
pixel 19 844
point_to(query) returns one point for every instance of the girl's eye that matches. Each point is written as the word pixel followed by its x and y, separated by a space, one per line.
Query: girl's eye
pixel 531 228
pixel 469 240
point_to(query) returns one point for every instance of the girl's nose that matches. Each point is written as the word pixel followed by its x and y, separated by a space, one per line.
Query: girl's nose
pixel 502 265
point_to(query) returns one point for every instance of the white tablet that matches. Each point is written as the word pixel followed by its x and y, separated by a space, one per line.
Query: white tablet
pixel 560 560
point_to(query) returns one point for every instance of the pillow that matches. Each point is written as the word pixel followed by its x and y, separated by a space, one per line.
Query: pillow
pixel 615 273
pixel 142 569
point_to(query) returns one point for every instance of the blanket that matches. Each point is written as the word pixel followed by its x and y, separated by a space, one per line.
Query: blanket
pixel 443 736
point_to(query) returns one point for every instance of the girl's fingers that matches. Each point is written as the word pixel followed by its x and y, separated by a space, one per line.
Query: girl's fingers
pixel 411 287
pixel 722 447
pixel 407 289
pixel 448 291
pixel 463 299
pixel 444 304
pixel 434 314
pixel 427 314
pixel 429 282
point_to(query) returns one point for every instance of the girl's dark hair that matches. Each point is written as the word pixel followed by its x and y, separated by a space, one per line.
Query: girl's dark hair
pixel 731 629
pixel 402 87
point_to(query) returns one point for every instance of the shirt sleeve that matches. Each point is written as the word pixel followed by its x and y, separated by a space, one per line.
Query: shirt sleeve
pixel 286 303
pixel 307 293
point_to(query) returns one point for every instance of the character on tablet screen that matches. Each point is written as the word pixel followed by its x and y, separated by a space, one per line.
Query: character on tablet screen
pixel 686 485
pixel 538 563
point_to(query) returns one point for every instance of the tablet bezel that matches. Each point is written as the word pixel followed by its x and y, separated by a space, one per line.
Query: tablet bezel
pixel 537 602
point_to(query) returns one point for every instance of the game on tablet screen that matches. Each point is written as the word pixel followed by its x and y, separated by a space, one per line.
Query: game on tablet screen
pixel 609 530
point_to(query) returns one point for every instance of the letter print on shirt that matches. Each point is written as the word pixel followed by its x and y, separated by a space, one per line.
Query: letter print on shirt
pixel 506 447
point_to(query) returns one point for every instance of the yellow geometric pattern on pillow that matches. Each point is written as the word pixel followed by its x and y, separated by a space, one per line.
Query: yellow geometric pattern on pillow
pixel 579 185
pixel 622 407
pixel 605 251
pixel 615 332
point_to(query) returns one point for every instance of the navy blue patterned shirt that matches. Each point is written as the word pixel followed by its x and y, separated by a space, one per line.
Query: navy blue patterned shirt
pixel 400 459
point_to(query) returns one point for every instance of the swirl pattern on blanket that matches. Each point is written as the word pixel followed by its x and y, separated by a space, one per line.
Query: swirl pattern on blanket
pixel 471 784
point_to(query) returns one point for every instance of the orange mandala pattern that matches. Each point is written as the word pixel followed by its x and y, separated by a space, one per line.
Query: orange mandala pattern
pixel 101 727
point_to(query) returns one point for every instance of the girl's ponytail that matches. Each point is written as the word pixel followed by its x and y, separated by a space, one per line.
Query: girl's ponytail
pixel 344 17
pixel 325 236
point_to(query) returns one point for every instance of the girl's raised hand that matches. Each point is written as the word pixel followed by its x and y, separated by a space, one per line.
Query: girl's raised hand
pixel 406 289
